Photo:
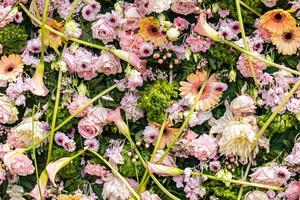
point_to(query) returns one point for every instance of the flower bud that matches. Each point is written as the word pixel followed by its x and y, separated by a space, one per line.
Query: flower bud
pixel 163 170
pixel 173 34
pixel 232 76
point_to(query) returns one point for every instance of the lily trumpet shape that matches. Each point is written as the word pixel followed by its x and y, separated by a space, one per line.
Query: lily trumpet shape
pixel 164 170
pixel 131 58
pixel 37 83
pixel 204 29
pixel 115 116
pixel 39 191
pixel 54 167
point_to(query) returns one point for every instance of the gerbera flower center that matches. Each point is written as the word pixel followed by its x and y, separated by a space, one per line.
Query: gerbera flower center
pixel 10 68
pixel 288 36
pixel 154 29
pixel 278 16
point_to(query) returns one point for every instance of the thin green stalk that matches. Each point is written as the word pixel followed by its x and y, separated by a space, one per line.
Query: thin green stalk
pixel 146 167
pixel 239 182
pixel 33 150
pixel 240 17
pixel 116 173
pixel 71 10
pixel 186 121
pixel 275 112
pixel 145 177
pixel 78 110
pixel 250 8
pixel 43 31
pixel 244 178
pixel 56 105
pixel 61 34
pixel 84 106
pixel 260 58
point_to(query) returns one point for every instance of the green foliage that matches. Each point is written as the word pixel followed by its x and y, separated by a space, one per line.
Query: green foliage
pixel 156 97
pixel 13 38
pixel 219 56
pixel 248 16
pixel 218 189
pixel 129 168
pixel 280 124
pixel 70 170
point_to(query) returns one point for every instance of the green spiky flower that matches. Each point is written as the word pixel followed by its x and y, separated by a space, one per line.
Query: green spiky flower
pixel 13 38
pixel 156 97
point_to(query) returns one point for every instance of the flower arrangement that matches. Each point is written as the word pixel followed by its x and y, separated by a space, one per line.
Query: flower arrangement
pixel 149 99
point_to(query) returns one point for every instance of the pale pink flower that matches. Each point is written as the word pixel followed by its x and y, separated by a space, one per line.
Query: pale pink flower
pixel 78 101
pixel 2 174
pixel 270 176
pixel 9 113
pixel 135 79
pixel 19 17
pixel 99 115
pixel 203 28
pixel 53 168
pixel 293 191
pixel 184 7
pixel 244 67
pixel 92 144
pixel 88 13
pixel 256 195
pixel 7 14
pixel 89 129
pixel 148 196
pixel 108 64
pixel 223 13
pixel 146 50
pixel 215 166
pixel 114 188
pixel 39 191
pixel 113 19
pixel 161 5
pixel 167 161
pixel 150 134
pixel 242 106
pixel 113 152
pixel 163 170
pixel 115 116
pixel 69 145
pixel 59 138
pixel 22 165
pixel 199 44
pixel 205 147
pixel 181 23
pixel 103 31
pixel 96 170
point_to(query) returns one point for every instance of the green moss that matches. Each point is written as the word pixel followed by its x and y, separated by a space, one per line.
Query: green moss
pixel 70 170
pixel 280 124
pixel 13 38
pixel 129 168
pixel 156 97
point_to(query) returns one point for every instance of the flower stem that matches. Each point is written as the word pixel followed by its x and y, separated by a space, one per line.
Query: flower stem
pixel 244 178
pixel 145 177
pixel 186 120
pixel 240 17
pixel 56 105
pixel 275 112
pixel 239 182
pixel 84 106
pixel 260 58
pixel 43 31
pixel 71 11
pixel 250 8
pixel 151 175
pixel 116 173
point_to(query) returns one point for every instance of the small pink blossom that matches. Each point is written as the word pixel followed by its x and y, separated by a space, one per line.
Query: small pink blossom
pixel 150 134
pixel 22 165
pixel 199 44
pixel 183 7
pixel 205 147
pixel 244 67
pixel 215 166
pixel 181 23
pixel 59 138
pixel 108 64
pixel 293 191
pixel 92 144
pixel 69 145
pixel 78 101
pixel 103 31
pixel 89 129
pixel 96 170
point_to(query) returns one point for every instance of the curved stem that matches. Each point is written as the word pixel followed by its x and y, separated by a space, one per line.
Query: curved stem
pixel 145 177
pixel 240 182
pixel 84 106
pixel 240 17
pixel 186 121
pixel 250 8
pixel 56 105
pixel 116 173
pixel 260 58
pixel 275 112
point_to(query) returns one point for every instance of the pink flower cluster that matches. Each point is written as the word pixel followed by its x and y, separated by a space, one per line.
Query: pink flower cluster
pixel 63 140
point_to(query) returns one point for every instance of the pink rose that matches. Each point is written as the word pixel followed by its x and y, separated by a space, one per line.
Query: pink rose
pixel 148 196
pixel 99 115
pixel 78 101
pixel 87 75
pixel 108 64
pixel 181 23
pixel 244 67
pixel 293 191
pixel 275 176
pixel 89 129
pixel 96 170
pixel 9 113
pixel 184 7
pixel 22 165
pixel 101 30
pixel 205 147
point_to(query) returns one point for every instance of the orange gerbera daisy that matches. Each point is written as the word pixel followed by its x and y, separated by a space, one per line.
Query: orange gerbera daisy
pixel 10 67
pixel 68 197
pixel 287 43
pixel 211 94
pixel 52 39
pixel 278 21
pixel 150 31
pixel 168 135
